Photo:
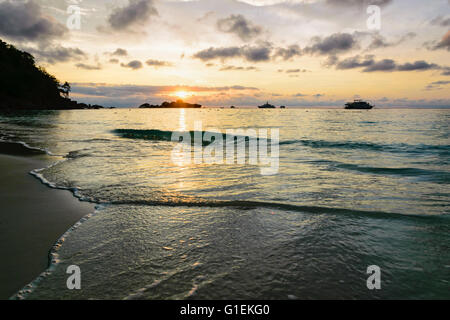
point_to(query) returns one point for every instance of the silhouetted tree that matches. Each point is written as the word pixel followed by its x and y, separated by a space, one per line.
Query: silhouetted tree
pixel 65 89
pixel 25 85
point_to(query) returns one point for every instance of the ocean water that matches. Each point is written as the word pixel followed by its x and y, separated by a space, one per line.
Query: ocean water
pixel 353 189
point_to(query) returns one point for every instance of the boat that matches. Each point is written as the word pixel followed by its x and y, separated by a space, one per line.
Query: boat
pixel 358 104
pixel 267 106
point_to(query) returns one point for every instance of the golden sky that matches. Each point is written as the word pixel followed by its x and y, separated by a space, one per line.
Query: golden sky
pixel 228 52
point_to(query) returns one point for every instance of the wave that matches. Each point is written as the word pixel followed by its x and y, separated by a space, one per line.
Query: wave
pixel 437 176
pixel 160 135
pixel 20 148
pixel 393 148
pixel 249 205
pixel 53 258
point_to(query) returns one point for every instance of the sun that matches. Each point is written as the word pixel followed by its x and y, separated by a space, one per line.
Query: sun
pixel 182 94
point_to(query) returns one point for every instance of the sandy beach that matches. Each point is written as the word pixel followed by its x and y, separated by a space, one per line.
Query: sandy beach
pixel 32 218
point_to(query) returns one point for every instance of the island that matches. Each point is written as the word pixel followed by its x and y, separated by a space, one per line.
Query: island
pixel 26 86
pixel 180 104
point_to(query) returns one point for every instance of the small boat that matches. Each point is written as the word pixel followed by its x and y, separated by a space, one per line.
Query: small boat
pixel 267 106
pixel 358 105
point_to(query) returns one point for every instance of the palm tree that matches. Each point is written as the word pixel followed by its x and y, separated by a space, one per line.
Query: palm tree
pixel 65 89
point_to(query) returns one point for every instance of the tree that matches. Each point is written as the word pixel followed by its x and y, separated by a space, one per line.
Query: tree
pixel 65 89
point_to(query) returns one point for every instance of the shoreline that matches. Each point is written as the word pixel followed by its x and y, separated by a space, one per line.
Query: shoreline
pixel 33 218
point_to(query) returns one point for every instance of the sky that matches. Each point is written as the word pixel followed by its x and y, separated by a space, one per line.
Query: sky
pixel 124 53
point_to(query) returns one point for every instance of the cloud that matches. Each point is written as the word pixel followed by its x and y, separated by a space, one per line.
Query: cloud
pixel 56 54
pixel 378 41
pixel 440 21
pixel 119 52
pixel 24 21
pixel 257 53
pixel 417 66
pixel 289 52
pixel 234 68
pixel 445 70
pixel 158 63
pixel 444 43
pixel 387 65
pixel 135 65
pixel 333 44
pixel 88 66
pixel 296 70
pixel 437 85
pixel 137 11
pixel 355 62
pixel 240 26
pixel 218 53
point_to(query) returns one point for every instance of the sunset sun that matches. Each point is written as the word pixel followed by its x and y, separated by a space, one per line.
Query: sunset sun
pixel 182 94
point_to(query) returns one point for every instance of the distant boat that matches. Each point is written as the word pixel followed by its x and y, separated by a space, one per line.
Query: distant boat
pixel 358 104
pixel 283 107
pixel 267 106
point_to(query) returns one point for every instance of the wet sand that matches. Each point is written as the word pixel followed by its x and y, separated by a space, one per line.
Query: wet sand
pixel 32 218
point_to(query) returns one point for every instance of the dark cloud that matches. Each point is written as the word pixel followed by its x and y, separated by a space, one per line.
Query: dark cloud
pixel 57 54
pixel 378 41
pixel 158 63
pixel 119 53
pixel 446 70
pixel 240 26
pixel 250 53
pixel 437 85
pixel 257 54
pixel 135 65
pixel 218 53
pixel 137 11
pixel 441 21
pixel 333 44
pixel 288 53
pixel 24 21
pixel 88 66
pixel 417 66
pixel 234 68
pixel 387 65
pixel 444 43
pixel 296 71
pixel 355 62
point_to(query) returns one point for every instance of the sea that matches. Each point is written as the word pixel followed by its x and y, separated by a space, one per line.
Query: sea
pixel 352 189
